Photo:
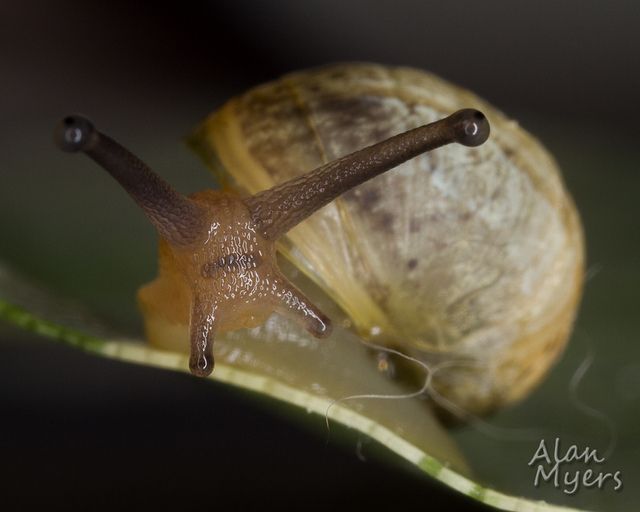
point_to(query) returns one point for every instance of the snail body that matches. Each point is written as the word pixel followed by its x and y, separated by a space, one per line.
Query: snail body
pixel 470 254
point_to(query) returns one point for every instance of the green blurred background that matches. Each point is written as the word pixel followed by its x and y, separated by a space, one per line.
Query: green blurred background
pixel 75 429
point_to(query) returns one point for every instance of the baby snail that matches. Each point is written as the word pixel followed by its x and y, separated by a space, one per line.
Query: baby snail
pixel 468 255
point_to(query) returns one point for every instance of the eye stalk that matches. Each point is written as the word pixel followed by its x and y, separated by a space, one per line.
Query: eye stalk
pixel 282 207
pixel 176 218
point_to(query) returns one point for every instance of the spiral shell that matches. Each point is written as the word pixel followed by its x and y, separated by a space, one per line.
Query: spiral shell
pixel 471 257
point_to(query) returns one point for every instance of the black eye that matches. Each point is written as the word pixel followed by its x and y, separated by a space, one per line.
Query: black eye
pixel 73 133
pixel 471 127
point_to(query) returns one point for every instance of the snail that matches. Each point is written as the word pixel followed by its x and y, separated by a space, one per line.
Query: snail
pixel 470 254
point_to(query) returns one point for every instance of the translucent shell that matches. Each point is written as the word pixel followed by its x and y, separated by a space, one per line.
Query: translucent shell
pixel 472 256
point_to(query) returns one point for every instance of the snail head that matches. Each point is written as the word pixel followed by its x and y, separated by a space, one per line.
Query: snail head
pixel 220 247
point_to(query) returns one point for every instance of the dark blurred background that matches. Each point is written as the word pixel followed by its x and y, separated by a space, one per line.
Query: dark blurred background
pixel 77 432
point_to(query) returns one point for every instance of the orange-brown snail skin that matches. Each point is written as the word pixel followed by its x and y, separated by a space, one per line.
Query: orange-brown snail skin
pixel 226 280
pixel 468 257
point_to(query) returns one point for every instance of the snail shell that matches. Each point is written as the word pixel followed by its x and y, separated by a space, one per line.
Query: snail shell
pixel 468 257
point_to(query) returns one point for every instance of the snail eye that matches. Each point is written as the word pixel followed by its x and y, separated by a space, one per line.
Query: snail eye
pixel 234 262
